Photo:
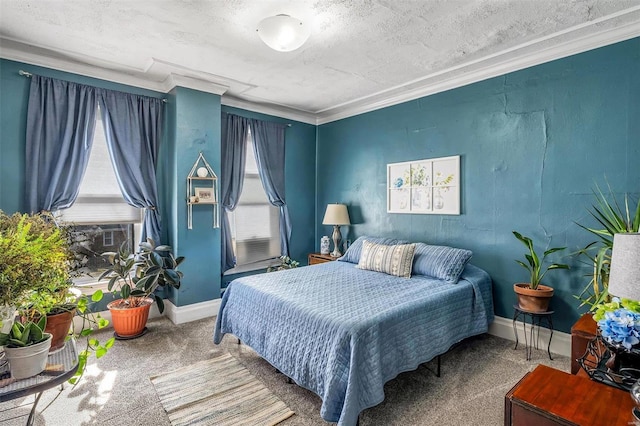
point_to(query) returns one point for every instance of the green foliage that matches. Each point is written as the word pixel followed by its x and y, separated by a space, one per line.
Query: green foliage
pixel 23 335
pixel 36 265
pixel 89 323
pixel 612 219
pixel 135 276
pixel 616 303
pixel 285 263
pixel 535 263
pixel 34 254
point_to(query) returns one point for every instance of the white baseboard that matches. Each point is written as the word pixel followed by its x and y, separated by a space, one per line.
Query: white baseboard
pixel 192 312
pixel 560 343
pixel 177 314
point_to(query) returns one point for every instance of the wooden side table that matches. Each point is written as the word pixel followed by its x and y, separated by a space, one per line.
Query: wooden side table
pixel 547 396
pixel 583 331
pixel 315 258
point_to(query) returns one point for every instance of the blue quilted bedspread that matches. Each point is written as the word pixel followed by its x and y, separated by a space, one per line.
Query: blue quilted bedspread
pixel 343 332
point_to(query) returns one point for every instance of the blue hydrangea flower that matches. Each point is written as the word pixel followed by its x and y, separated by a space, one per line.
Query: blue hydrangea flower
pixel 621 327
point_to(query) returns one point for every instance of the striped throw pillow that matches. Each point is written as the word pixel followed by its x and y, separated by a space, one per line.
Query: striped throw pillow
pixel 393 260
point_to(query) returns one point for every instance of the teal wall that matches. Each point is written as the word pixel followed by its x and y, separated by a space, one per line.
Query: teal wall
pixel 195 118
pixel 532 143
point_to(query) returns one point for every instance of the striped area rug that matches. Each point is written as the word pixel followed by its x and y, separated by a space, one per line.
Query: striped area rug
pixel 220 392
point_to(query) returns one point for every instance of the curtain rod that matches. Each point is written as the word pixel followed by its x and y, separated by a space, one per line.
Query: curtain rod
pixel 28 75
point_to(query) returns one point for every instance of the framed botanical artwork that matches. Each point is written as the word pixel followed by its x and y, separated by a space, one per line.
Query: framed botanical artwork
pixel 205 195
pixel 430 186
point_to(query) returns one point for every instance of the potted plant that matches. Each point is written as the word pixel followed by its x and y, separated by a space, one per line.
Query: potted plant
pixel 135 277
pixel 534 296
pixel 285 263
pixel 36 259
pixel 32 255
pixel 27 348
pixel 613 220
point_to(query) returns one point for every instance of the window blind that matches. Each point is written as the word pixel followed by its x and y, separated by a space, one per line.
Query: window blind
pixel 99 198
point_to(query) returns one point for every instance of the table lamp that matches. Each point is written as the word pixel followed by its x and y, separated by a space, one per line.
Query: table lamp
pixel 624 282
pixel 336 215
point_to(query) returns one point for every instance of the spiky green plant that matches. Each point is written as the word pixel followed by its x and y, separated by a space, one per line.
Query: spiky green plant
pixel 613 219
pixel 535 263
pixel 23 335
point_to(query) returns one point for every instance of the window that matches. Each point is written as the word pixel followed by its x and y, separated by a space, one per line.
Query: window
pixel 107 238
pixel 255 223
pixel 102 220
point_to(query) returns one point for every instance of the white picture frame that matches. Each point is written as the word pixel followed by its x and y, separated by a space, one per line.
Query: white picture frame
pixel 428 186
pixel 205 195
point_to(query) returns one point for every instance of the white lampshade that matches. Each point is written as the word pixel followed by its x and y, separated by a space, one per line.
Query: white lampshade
pixel 283 33
pixel 336 214
pixel 624 273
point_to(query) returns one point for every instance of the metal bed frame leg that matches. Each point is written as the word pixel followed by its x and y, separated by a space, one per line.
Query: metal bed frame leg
pixel 438 371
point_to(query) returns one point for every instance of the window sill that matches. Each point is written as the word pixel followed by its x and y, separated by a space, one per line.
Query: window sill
pixel 88 286
pixel 264 264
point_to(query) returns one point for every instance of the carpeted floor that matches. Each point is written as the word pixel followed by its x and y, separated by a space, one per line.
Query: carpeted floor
pixel 117 390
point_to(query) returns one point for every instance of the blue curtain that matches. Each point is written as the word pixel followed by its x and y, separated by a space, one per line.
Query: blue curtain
pixel 61 119
pixel 132 126
pixel 268 146
pixel 234 142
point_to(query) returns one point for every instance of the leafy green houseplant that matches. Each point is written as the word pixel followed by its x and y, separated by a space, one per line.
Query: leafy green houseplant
pixel 33 255
pixel 135 277
pixel 27 348
pixel 612 219
pixel 33 258
pixel 35 279
pixel 534 296
pixel 285 263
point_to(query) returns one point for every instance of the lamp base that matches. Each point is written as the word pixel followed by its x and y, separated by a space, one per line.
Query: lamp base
pixel 336 236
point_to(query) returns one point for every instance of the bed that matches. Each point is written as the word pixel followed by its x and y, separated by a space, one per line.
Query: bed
pixel 343 332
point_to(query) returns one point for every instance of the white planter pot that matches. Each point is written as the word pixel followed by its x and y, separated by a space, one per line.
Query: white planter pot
pixel 28 361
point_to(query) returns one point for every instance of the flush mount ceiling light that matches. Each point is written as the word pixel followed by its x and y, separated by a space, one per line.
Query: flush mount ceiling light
pixel 283 33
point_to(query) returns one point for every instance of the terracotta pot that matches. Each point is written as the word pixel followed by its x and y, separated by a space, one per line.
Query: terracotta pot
pixel 58 325
pixel 533 300
pixel 128 321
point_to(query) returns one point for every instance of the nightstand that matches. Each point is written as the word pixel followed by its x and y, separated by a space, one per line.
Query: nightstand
pixel 315 258
pixel 547 396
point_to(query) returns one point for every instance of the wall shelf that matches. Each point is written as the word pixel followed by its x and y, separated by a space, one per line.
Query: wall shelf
pixel 202 190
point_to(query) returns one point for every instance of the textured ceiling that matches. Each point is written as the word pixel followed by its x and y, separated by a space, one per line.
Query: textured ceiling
pixel 357 50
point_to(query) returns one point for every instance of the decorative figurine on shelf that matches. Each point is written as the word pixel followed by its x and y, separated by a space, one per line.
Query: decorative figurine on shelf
pixel 202 172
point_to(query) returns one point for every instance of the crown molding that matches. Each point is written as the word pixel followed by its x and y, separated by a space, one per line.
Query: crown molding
pixel 526 55
pixel 174 80
pixel 271 109
pixel 12 50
